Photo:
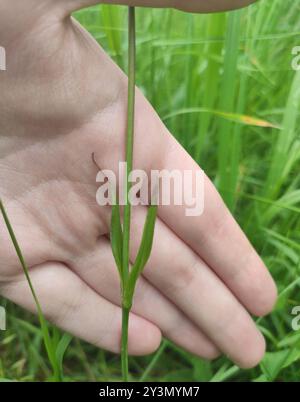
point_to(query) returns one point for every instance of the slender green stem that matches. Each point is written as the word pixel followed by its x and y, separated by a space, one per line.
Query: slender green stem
pixel 124 346
pixel 129 140
pixel 127 208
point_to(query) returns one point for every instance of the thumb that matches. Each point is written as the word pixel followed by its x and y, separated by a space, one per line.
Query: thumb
pixel 191 5
pixel 78 4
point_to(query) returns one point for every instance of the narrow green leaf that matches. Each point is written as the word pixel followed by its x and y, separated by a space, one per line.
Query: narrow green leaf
pixel 62 348
pixel 116 236
pixel 230 116
pixel 273 363
pixel 147 241
pixel 43 323
pixel 144 250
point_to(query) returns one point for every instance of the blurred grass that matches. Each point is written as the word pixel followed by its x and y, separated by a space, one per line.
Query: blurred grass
pixel 239 63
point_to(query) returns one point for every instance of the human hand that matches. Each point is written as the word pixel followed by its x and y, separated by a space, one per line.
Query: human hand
pixel 63 99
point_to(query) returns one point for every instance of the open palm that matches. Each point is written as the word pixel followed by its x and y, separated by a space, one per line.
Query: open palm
pixel 62 100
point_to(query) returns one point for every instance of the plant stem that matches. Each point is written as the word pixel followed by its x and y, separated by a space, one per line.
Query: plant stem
pixel 127 208
pixel 124 346
pixel 129 139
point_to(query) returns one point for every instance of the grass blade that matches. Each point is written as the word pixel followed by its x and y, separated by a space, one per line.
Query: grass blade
pixel 213 50
pixel 232 117
pixel 144 250
pixel 228 90
pixel 44 326
pixel 282 162
pixel 62 348
pixel 116 236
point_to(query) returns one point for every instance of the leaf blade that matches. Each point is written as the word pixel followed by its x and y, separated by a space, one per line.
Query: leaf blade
pixel 144 250
pixel 116 236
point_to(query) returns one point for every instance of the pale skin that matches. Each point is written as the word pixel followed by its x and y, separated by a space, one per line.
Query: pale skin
pixel 63 99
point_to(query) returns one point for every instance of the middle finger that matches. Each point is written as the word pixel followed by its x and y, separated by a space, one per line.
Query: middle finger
pixel 189 283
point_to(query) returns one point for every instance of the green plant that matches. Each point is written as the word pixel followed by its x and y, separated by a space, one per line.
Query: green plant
pixel 55 349
pixel 120 237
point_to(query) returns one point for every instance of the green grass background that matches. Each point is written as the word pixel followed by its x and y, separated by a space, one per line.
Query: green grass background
pixel 191 67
